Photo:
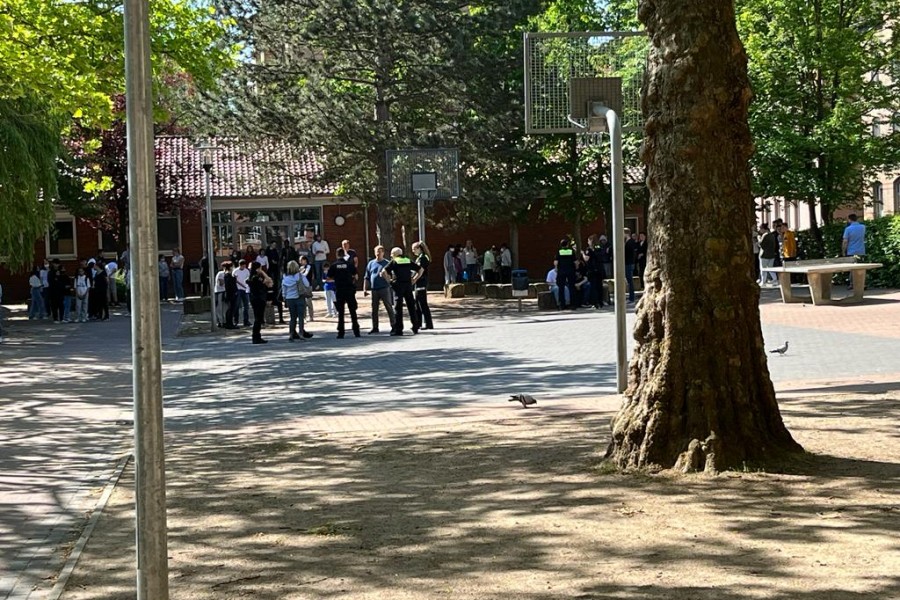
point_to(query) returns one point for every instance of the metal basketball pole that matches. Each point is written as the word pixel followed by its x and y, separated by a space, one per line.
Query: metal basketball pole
pixel 146 343
pixel 618 218
pixel 421 213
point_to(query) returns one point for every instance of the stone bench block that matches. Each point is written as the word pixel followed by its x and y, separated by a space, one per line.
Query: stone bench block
pixel 546 301
pixel 196 306
pixel 455 290
pixel 474 288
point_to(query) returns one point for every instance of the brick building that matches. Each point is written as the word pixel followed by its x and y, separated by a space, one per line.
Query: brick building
pixel 269 193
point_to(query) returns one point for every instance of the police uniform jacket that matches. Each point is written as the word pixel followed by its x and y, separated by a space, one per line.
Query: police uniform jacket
pixel 565 260
pixel 342 272
pixel 402 269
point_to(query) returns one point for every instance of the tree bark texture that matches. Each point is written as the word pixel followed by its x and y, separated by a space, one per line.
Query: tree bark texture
pixel 699 395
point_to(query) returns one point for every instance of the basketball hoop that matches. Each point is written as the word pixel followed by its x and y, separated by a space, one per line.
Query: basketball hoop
pixel 589 84
pixel 423 175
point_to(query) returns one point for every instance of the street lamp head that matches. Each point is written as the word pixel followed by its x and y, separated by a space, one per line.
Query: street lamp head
pixel 207 158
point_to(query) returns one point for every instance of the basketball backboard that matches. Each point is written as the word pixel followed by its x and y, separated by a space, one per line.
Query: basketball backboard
pixel 564 71
pixel 433 171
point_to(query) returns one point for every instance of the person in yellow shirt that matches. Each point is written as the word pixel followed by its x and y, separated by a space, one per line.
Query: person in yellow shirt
pixel 788 243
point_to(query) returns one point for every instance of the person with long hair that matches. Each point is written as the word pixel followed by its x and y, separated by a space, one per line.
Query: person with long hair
pixel 423 260
pixel 296 303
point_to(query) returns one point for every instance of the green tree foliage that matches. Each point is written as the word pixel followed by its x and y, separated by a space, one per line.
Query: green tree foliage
pixel 818 72
pixel 29 146
pixel 351 80
pixel 61 60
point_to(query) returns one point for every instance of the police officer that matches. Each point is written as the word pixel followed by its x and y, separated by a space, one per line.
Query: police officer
pixel 565 274
pixel 343 274
pixel 403 273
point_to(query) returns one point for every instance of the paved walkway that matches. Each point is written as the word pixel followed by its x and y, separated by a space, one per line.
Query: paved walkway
pixel 65 387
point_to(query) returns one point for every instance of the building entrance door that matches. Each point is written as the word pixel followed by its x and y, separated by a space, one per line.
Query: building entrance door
pixel 276 232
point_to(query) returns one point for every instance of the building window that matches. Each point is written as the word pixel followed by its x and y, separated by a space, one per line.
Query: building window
pixel 61 238
pixel 168 234
pixel 897 196
pixel 877 200
pixel 106 241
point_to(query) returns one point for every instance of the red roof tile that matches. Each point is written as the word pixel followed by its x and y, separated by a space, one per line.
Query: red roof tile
pixel 240 169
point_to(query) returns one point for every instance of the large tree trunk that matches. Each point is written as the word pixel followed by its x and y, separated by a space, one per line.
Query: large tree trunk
pixel 699 395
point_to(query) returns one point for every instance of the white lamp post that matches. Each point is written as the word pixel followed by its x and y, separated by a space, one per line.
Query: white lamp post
pixel 206 155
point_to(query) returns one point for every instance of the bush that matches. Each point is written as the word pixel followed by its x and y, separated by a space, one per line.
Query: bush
pixel 882 246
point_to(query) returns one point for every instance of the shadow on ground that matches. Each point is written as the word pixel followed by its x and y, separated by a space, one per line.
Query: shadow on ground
pixel 513 509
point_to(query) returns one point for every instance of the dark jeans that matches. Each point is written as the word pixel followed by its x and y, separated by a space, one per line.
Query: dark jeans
pixel 243 299
pixel 163 288
pixel 472 270
pixel 505 274
pixel 403 293
pixel 422 310
pixel 565 280
pixel 595 279
pixel 296 308
pixel 231 317
pixel 346 299
pixel 259 314
pixel 629 279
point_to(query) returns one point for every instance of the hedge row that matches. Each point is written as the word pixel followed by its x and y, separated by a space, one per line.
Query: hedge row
pixel 882 246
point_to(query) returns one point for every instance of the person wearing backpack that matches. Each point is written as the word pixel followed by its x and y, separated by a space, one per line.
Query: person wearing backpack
pixel 294 289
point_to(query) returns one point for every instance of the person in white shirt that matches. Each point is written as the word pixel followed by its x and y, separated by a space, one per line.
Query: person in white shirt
pixel 320 250
pixel 554 289
pixel 263 261
pixel 36 308
pixel 219 291
pixel 112 296
pixel 505 264
pixel 242 275
pixel 82 288
pixel 471 258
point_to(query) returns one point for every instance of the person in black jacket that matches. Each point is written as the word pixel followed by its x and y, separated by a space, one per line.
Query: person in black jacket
pixel 259 284
pixel 423 259
pixel 594 262
pixel 343 273
pixel 631 252
pixel 565 274
pixel 231 292
pixel 402 274
pixel 101 283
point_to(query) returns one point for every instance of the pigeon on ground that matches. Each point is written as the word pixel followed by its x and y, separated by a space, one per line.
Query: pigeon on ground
pixel 780 350
pixel 525 399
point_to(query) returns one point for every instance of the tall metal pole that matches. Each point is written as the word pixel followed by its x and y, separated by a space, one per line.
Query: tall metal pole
pixel 210 256
pixel 146 343
pixel 421 210
pixel 618 218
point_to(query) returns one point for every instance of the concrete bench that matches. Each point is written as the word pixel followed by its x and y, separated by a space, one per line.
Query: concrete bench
pixel 819 273
pixel 546 301
pixel 455 290
pixel 196 306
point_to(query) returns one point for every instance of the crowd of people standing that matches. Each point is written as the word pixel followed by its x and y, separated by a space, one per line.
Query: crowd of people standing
pixel 576 278
pixel 286 277
pixel 464 263
pixel 83 296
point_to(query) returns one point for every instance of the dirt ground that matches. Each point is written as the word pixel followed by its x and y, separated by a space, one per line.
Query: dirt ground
pixel 520 508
